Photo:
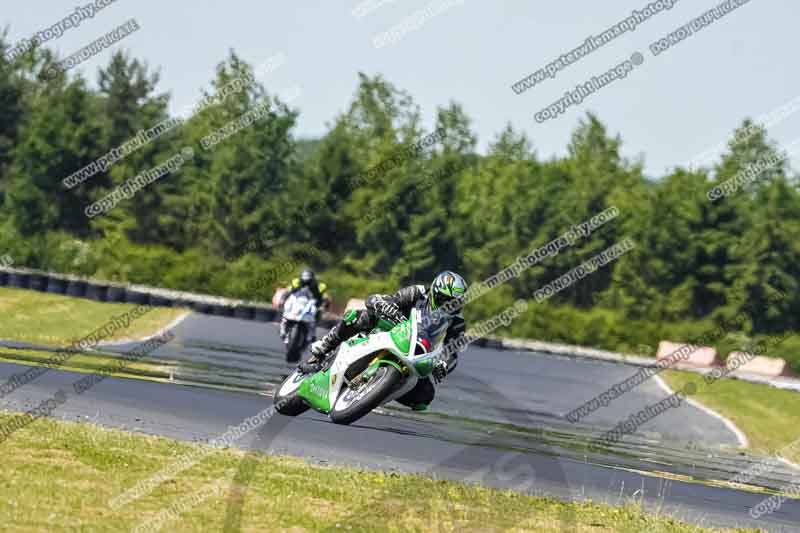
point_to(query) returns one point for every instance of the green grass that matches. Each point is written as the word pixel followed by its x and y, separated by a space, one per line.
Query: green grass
pixel 59 476
pixel 769 417
pixel 55 320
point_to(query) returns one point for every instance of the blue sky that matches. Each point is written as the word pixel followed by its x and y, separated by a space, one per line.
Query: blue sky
pixel 667 110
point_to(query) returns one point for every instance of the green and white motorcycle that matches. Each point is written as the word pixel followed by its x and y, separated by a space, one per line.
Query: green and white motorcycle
pixel 369 370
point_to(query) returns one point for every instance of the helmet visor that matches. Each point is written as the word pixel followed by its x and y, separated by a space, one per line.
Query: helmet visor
pixel 442 299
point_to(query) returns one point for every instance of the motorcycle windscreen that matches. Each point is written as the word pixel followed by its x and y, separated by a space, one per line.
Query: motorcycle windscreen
pixel 431 332
pixel 293 309
pixel 432 326
pixel 301 308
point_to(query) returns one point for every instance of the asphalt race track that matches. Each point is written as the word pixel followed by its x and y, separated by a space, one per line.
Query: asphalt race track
pixel 497 420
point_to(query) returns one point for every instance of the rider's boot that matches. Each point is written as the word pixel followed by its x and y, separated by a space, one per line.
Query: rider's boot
pixel 352 322
pixel 282 331
pixel 320 350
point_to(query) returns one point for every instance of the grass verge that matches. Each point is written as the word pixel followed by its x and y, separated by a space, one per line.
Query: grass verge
pixel 55 320
pixel 769 417
pixel 58 476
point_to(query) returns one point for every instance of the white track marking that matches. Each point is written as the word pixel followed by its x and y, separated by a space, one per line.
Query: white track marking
pixel 159 333
pixel 788 462
pixel 740 436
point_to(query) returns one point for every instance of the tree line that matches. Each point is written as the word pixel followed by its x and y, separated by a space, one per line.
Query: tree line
pixel 263 196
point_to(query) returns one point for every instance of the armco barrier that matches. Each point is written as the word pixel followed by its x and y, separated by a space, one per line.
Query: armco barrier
pixel 699 356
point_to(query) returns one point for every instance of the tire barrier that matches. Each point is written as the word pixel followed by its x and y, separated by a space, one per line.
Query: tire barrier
pixel 201 307
pixel 56 286
pixel 244 312
pixel 18 280
pixel 77 288
pixel 264 315
pixel 221 310
pixel 69 285
pixel 157 300
pixel 37 282
pixel 132 296
pixel 183 302
pixel 115 294
pixel 98 293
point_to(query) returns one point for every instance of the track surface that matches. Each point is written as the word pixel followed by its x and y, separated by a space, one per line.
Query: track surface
pixel 498 420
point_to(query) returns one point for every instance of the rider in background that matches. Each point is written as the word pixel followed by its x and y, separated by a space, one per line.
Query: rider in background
pixel 446 287
pixel 318 289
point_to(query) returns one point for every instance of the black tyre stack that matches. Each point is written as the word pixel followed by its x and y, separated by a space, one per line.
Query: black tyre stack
pixel 115 294
pixel 263 314
pixel 160 301
pixel 98 293
pixel 18 280
pixel 37 282
pixel 118 293
pixel 222 310
pixel 244 312
pixel 77 288
pixel 56 285
pixel 132 296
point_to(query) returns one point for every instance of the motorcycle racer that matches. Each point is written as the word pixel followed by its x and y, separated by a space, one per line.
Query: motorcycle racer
pixel 447 286
pixel 307 279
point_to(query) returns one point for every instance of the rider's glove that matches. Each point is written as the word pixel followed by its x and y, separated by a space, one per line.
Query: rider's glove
pixel 439 371
pixel 389 311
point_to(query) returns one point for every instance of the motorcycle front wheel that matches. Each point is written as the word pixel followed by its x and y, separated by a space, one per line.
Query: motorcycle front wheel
pixel 353 404
pixel 286 400
pixel 296 343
